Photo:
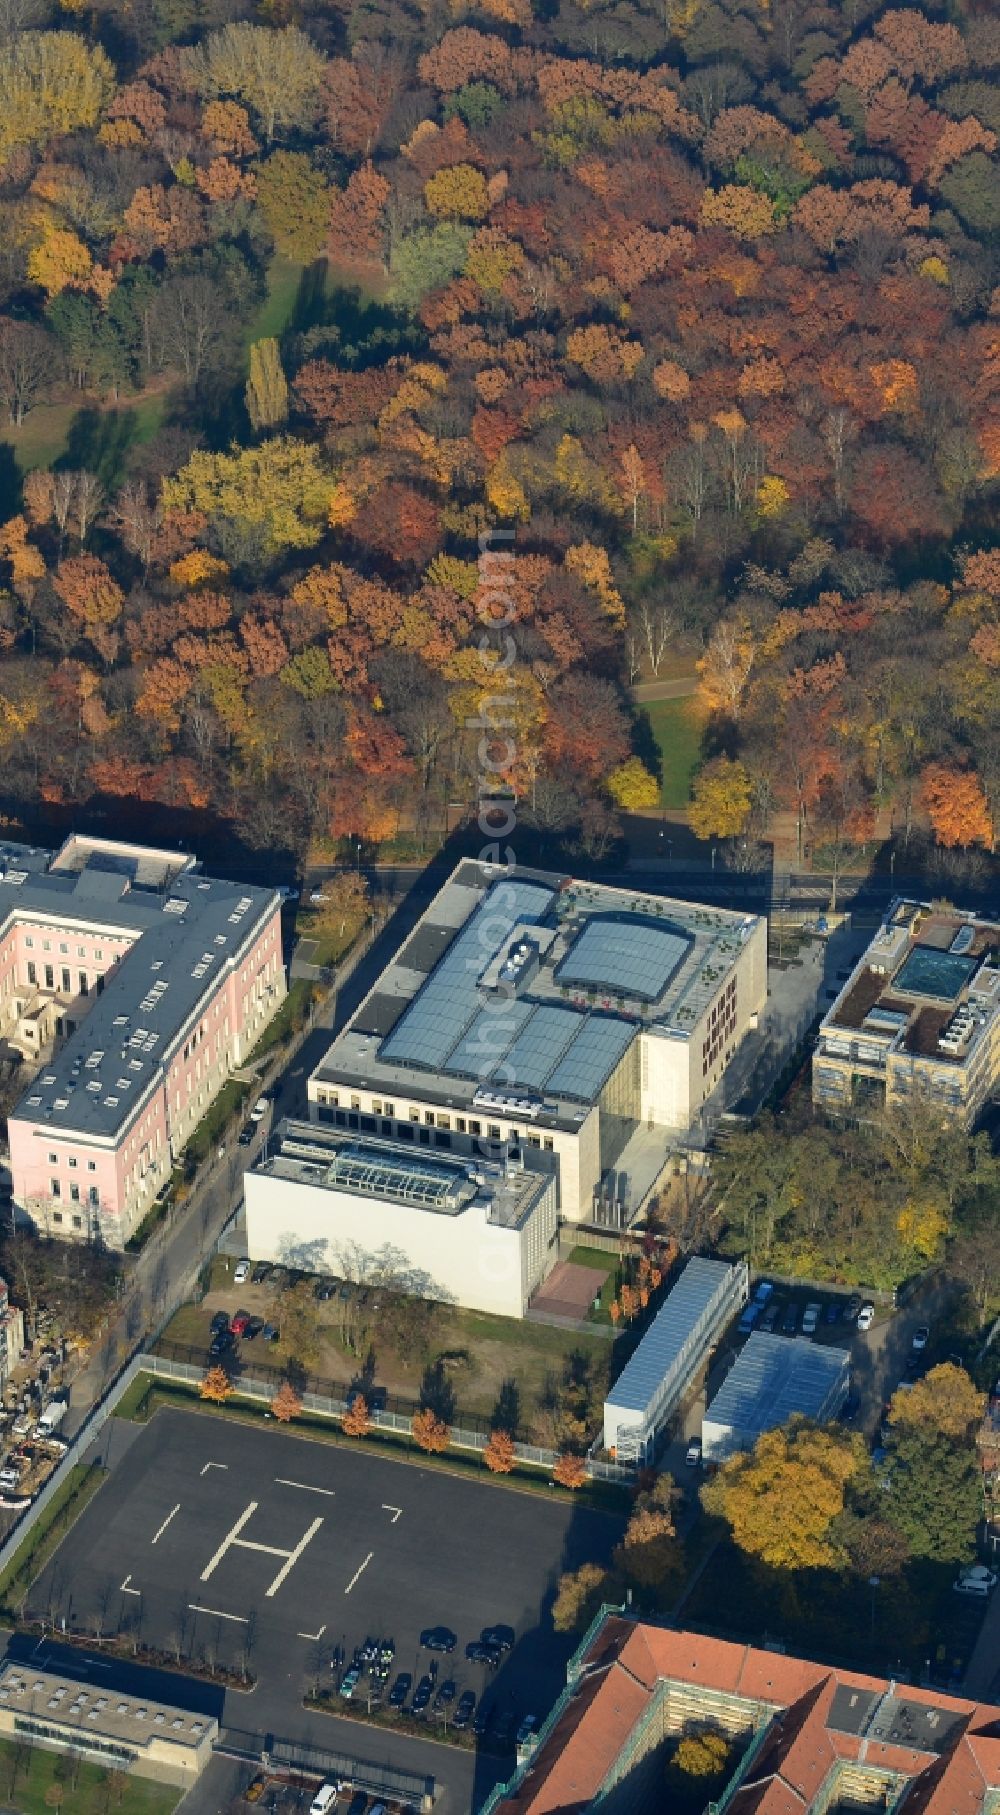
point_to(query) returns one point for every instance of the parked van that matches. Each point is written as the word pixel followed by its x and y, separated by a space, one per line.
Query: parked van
pixel 52 1417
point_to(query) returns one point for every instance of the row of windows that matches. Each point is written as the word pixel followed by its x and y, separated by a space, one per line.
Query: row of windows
pixel 93 1195
pixel 432 1119
pixel 81 950
pixel 83 985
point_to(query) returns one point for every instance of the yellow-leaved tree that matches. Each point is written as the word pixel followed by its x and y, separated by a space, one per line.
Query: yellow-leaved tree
pixel 721 800
pixel 51 83
pixel 276 494
pixel 632 786
pixel 780 1499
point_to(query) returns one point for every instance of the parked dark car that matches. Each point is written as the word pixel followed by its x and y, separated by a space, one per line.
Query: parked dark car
pixel 478 1653
pixel 220 1322
pixel 421 1695
pixel 501 1638
pixel 850 1408
pixel 790 1321
pixel 400 1689
pixel 245 1136
pixel 832 1312
pixel 852 1307
pixel 463 1713
pixel 221 1344
pixel 253 1329
pixel 271 1332
pixel 260 1273
pixel 482 1718
pixel 438 1638
pixel 446 1694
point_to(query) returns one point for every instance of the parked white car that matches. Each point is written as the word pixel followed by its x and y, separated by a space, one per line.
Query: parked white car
pixel 242 1273
pixel 977 1581
pixel 325 1798
pixel 866 1317
pixel 259 1110
pixel 810 1318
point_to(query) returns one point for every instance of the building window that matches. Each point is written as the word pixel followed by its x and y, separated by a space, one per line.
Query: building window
pixel 57 1216
pixel 93 1197
pixel 91 1165
pixel 475 1127
pixel 72 1165
pixel 429 1118
pixel 81 951
pixel 50 977
pixel 64 948
pixel 376 1106
pixel 28 940
pixel 78 1222
pixel 355 1102
pixel 84 985
pixel 56 1187
pixel 46 945
pixel 32 973
pixel 67 985
pixel 74 1192
pixel 444 1121
pixel 414 1115
pixel 389 1109
pixel 460 1123
pixel 548 1143
pixel 493 1130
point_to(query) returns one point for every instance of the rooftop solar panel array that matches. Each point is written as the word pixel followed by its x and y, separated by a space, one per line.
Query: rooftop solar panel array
pixel 448 1001
pixel 625 955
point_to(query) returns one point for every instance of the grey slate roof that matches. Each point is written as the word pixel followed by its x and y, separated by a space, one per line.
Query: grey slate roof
pixel 190 930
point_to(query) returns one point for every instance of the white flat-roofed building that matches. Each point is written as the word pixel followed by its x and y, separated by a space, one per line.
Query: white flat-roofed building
pixel 688 1324
pixel 433 1225
pixel 529 1010
pixel 122 1732
pixel 774 1378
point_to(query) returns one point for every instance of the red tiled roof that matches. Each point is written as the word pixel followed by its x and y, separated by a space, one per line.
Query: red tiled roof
pixel 621 1672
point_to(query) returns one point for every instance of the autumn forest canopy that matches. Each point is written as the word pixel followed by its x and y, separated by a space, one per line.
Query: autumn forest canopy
pixel 700 298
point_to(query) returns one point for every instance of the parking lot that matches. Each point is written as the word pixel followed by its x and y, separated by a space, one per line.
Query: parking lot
pixel 269 1552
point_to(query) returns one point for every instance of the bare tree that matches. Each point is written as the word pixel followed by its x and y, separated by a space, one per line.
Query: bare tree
pixel 26 365
pixel 88 497
pixel 189 324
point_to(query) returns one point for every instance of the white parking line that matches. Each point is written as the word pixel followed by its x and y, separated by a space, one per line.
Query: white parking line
pixel 312 1635
pixel 359 1572
pixel 125 1589
pixel 208 1465
pixel 216 1613
pixel 305 1487
pixel 230 1537
pixel 395 1511
pixel 166 1522
pixel 292 1558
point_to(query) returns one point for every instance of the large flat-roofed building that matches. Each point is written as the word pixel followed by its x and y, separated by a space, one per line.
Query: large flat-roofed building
pixel 774 1378
pixel 149 984
pixel 919 1017
pixel 122 1732
pixel 431 1224
pixel 528 1010
pixel 688 1324
pixel 805 1738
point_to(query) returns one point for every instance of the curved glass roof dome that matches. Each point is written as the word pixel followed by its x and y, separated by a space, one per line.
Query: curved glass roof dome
pixel 626 955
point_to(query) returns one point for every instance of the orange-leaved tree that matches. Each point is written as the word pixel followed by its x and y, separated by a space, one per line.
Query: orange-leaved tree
pixel 286 1403
pixel 430 1432
pixel 569 1471
pixel 499 1453
pixel 356 1421
pixel 216 1386
pixel 956 805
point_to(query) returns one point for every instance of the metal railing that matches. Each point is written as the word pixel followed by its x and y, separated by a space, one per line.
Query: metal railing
pixel 381 1780
pixel 330 1399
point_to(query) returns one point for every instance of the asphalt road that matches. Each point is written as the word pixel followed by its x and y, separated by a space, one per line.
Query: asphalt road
pixel 266 1550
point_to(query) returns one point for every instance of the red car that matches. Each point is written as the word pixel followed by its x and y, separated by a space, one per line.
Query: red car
pixel 239 1323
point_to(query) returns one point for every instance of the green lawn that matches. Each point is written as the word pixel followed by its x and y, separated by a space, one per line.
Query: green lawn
pixel 275 312
pixel 677 727
pixel 93 437
pixel 27 1775
pixel 290 1016
pixel 213 1122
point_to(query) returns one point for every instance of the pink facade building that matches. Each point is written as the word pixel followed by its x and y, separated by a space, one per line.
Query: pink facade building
pixel 140 985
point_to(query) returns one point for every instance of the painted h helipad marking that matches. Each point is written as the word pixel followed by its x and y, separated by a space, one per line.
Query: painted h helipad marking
pixel 395 1511
pixel 216 1613
pixel 208 1465
pixel 125 1589
pixel 166 1522
pixel 233 1541
pixel 305 1487
pixel 312 1635
pixel 359 1572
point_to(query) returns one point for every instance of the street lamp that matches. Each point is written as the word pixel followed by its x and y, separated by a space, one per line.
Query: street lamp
pixel 713 859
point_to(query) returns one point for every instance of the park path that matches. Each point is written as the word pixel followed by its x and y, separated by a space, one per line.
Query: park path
pixel 679 688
